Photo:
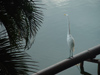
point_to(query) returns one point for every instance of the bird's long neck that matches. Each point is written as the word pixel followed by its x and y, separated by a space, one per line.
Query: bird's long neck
pixel 68 25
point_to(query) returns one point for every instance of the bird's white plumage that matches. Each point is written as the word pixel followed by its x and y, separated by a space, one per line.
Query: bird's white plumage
pixel 70 39
pixel 70 42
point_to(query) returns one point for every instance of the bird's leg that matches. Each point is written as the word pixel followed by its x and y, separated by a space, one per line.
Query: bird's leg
pixel 70 54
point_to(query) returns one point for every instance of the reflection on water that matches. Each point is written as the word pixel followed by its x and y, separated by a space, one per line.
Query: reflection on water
pixel 60 2
pixel 56 2
pixel 50 45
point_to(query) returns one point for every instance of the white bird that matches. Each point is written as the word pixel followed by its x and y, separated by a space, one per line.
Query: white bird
pixel 70 39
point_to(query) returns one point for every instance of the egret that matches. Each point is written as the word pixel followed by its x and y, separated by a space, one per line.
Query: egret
pixel 70 39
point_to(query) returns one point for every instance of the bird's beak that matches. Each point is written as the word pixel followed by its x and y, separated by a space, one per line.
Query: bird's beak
pixel 66 14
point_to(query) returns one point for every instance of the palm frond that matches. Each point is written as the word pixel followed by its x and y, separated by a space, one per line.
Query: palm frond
pixel 22 19
pixel 13 61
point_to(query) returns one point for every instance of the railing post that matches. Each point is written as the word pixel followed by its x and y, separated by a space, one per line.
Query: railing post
pixel 99 68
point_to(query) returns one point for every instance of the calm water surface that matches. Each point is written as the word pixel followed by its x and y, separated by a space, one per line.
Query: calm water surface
pixel 50 45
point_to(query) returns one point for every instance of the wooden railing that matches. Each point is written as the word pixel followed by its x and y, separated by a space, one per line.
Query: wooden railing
pixel 87 55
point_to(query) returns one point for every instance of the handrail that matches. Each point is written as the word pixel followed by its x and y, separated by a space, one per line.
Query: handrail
pixel 67 63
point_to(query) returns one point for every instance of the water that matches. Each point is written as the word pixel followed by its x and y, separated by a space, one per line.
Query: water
pixel 50 45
